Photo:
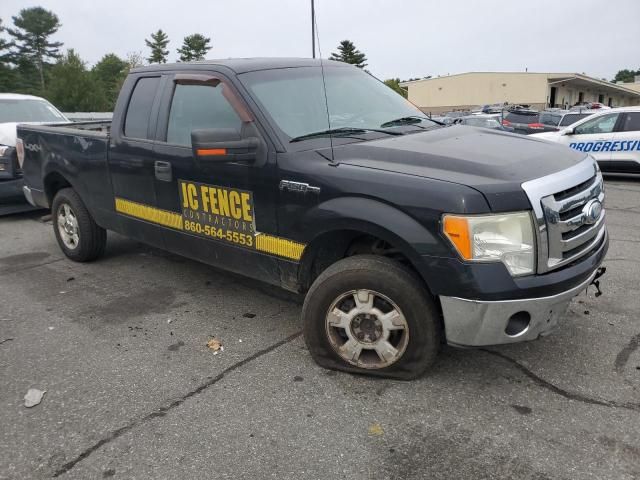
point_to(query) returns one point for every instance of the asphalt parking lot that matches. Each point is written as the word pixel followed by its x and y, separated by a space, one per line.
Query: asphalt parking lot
pixel 132 391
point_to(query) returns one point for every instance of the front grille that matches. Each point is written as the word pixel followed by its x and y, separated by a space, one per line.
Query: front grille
pixel 561 204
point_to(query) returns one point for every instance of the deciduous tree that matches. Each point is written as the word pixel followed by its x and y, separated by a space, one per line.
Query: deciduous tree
pixel 626 75
pixel 72 87
pixel 110 73
pixel 394 84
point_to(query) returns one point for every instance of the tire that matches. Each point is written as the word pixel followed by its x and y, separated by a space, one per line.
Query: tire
pixel 341 335
pixel 78 235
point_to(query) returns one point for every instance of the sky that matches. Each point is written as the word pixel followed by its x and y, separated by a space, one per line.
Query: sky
pixel 401 38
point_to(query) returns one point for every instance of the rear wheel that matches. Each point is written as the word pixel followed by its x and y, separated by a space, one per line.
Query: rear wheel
pixel 78 235
pixel 371 315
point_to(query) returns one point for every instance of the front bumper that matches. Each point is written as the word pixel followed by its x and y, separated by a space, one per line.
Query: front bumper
pixel 475 323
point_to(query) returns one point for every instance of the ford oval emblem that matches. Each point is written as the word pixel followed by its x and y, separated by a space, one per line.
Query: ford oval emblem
pixel 591 211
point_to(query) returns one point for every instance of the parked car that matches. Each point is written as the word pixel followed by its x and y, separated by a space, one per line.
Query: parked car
pixel 483 121
pixel 524 121
pixel 14 109
pixel 590 106
pixel 611 136
pixel 402 233
pixel 554 120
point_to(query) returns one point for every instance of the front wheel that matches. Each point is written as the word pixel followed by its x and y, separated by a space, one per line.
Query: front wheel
pixel 372 315
pixel 78 235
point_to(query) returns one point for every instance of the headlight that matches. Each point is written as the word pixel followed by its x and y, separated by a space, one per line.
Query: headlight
pixel 507 238
pixel 3 149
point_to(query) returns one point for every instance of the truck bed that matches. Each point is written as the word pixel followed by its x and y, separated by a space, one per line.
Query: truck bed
pixel 73 153
pixel 100 128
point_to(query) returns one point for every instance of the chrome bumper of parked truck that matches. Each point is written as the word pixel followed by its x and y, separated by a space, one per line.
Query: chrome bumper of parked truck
pixel 474 323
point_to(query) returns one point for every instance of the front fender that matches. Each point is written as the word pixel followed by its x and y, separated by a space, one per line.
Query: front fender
pixel 373 217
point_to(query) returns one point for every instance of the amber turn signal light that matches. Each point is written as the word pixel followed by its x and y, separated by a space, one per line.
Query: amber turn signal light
pixel 211 151
pixel 457 230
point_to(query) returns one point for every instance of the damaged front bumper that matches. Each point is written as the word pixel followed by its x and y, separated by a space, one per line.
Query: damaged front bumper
pixel 475 323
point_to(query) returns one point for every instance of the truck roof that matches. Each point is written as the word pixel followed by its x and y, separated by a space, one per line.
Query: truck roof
pixel 241 65
pixel 17 96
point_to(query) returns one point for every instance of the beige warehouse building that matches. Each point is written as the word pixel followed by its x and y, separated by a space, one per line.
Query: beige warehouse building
pixel 539 90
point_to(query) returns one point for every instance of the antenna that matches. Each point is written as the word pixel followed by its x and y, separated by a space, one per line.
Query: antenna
pixel 313 31
pixel 324 87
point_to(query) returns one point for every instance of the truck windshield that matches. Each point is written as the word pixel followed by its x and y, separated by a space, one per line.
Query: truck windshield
pixel 29 110
pixel 294 99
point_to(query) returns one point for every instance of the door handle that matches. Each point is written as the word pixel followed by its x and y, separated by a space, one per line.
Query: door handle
pixel 163 171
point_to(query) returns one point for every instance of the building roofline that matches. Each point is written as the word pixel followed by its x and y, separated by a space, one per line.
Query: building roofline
pixel 550 75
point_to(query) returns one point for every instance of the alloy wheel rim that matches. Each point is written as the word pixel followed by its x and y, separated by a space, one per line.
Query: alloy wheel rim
pixel 367 329
pixel 68 227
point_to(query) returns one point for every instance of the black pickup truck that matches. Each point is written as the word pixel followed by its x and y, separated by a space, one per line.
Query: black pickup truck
pixel 403 233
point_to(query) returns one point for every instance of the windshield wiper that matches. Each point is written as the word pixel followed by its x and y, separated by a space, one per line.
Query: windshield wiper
pixel 341 131
pixel 410 120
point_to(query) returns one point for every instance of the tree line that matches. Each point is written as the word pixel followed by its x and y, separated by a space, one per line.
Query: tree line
pixel 31 62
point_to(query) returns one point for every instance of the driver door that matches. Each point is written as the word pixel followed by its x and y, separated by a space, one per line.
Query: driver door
pixel 222 206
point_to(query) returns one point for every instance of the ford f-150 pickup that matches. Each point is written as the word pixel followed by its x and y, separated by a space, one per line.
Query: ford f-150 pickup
pixel 403 233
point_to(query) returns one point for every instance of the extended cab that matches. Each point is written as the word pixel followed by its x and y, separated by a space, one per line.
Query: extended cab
pixel 403 233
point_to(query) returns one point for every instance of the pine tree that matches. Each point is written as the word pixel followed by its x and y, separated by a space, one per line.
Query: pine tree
pixel 194 47
pixel 33 27
pixel 158 45
pixel 7 72
pixel 348 53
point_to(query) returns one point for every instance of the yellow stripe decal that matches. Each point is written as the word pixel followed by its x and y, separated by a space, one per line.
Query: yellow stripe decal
pixel 150 214
pixel 279 246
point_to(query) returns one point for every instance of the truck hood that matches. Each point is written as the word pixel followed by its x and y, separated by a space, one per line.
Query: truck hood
pixel 492 162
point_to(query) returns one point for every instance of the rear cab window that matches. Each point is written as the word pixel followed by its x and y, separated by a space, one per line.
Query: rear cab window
pixel 521 117
pixel 137 119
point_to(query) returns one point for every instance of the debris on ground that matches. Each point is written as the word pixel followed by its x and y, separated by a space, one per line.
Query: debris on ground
pixel 249 315
pixel 71 279
pixel 169 321
pixel 215 345
pixel 375 430
pixel 51 328
pixel 33 397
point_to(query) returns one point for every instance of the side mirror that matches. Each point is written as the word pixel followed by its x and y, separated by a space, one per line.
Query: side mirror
pixel 223 145
pixel 567 131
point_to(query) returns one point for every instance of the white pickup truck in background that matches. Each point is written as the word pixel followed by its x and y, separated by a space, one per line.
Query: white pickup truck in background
pixel 14 109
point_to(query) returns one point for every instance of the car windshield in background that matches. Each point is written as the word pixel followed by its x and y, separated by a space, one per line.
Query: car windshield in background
pixel 27 110
pixel 294 99
pixel 571 118
pixel 481 122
